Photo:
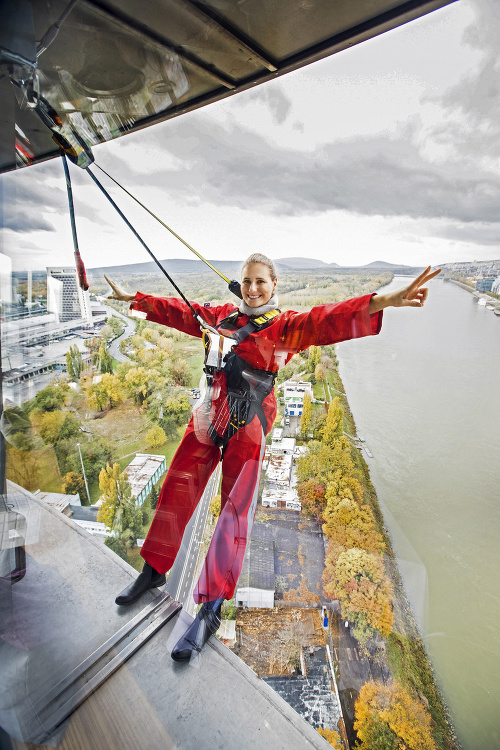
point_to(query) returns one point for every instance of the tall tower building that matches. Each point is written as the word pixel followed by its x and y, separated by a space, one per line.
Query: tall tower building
pixel 64 297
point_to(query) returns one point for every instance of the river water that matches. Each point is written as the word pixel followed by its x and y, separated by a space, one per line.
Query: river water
pixel 425 394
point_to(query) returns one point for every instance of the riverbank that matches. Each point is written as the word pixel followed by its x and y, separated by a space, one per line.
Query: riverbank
pixel 407 658
pixel 490 298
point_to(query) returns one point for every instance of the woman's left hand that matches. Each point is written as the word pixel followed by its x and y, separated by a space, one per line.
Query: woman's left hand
pixel 413 295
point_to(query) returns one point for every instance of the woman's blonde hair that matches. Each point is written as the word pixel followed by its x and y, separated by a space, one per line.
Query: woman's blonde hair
pixel 259 258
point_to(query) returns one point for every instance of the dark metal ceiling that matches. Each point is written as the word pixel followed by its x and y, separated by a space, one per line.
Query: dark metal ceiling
pixel 121 65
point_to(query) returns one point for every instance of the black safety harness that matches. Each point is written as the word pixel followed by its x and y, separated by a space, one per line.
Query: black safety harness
pixel 247 387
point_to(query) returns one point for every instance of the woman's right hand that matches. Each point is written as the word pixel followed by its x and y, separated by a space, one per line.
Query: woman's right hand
pixel 118 292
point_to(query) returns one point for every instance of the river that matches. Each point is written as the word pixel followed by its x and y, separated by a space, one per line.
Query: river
pixel 425 394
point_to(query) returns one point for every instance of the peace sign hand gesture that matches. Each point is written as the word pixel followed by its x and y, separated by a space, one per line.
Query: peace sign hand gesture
pixel 413 295
pixel 118 292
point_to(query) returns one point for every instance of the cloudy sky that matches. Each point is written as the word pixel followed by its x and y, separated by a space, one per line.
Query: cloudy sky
pixel 387 151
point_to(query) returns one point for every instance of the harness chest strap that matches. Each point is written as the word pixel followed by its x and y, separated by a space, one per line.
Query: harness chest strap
pixel 247 387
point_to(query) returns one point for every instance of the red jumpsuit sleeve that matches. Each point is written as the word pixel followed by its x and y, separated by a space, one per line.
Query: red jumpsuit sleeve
pixel 331 323
pixel 173 312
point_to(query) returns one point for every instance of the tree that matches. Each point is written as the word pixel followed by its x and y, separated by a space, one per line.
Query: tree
pixel 215 506
pixel 105 360
pixel 334 425
pixel 106 332
pixel 312 498
pixel 320 372
pixel 154 496
pixel 95 455
pixel 141 383
pixel 341 485
pixel 50 426
pixel 118 510
pixel 52 397
pixel 106 392
pixel 15 420
pixel 364 591
pixel 388 717
pixel 351 525
pixel 74 363
pixel 324 462
pixel 306 414
pixel 73 484
pixel 155 437
pixel 314 357
pixel 332 737
pixel 180 372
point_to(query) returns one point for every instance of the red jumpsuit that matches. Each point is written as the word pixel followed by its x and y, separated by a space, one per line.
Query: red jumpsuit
pixel 197 456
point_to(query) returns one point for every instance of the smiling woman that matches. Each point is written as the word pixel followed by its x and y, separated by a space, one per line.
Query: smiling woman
pixel 244 347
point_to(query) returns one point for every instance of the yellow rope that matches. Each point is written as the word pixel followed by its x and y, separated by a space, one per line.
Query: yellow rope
pixel 166 227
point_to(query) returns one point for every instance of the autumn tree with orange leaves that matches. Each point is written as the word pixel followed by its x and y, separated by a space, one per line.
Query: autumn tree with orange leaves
pixel 364 592
pixel 388 717
pixel 312 498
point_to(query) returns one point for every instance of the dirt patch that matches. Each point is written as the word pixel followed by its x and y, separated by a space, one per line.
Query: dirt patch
pixel 269 640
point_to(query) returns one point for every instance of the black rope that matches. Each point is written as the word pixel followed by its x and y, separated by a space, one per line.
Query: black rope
pixel 80 268
pixel 127 222
pixel 70 201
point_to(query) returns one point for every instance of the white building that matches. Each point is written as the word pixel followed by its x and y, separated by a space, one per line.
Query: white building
pixel 64 297
pixel 281 497
pixel 58 501
pixel 279 470
pixel 283 447
pixel 143 472
pixel 294 397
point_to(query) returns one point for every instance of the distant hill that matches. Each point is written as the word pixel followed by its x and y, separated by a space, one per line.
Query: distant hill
pixel 305 263
pixel 230 268
pixel 383 264
pixel 172 266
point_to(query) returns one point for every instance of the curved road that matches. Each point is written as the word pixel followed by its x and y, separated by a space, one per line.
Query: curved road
pixel 127 333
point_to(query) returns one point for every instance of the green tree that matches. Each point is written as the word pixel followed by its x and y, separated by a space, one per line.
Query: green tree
pixel 105 360
pixel 118 510
pixel 16 420
pixel 155 437
pixel 74 363
pixel 95 455
pixel 72 484
pixel 154 497
pixel 52 397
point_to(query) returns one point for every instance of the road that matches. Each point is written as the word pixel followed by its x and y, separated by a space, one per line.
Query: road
pixel 127 333
pixel 181 579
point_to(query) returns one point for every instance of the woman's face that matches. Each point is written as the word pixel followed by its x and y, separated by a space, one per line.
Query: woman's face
pixel 257 286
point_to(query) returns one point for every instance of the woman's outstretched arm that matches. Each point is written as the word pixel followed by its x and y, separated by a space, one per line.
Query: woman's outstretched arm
pixel 413 295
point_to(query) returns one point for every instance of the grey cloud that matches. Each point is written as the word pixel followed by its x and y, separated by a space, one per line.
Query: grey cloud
pixel 19 220
pixel 475 233
pixel 373 176
pixel 279 104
